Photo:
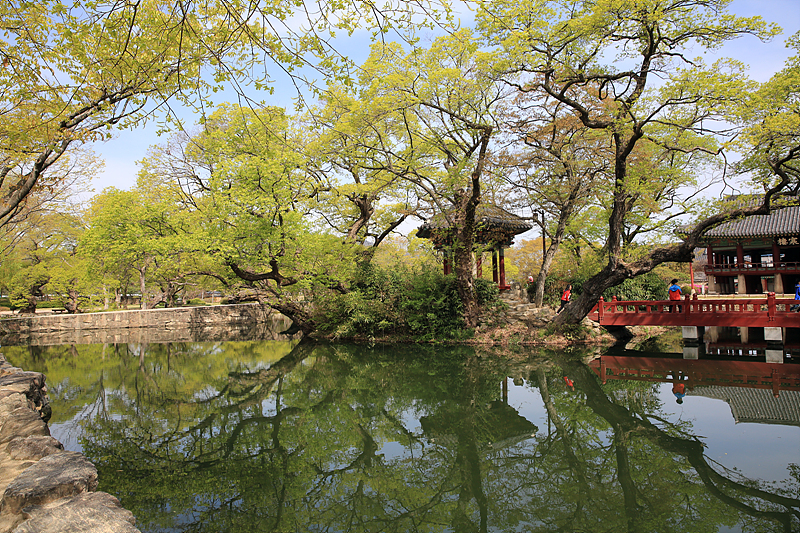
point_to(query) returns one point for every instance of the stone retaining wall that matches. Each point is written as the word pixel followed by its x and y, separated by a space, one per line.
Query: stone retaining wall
pixel 195 323
pixel 173 318
pixel 46 489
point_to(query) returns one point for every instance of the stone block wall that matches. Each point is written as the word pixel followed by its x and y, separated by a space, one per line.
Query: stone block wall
pixel 46 489
pixel 173 318
pixel 219 322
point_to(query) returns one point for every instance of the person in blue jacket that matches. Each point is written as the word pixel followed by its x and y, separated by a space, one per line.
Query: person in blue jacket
pixel 675 294
pixel 796 307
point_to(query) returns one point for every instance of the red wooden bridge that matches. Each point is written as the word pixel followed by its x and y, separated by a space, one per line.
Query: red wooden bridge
pixel 759 312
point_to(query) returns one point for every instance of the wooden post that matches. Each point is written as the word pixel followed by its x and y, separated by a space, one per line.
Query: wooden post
pixel 479 265
pixel 771 307
pixel 687 304
pixel 495 277
pixel 502 280
pixel 600 311
pixel 776 254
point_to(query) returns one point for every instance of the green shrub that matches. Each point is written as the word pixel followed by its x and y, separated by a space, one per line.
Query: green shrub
pixel 196 302
pixel 648 286
pixel 399 300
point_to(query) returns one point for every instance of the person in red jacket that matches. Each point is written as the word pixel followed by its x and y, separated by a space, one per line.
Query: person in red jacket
pixel 565 297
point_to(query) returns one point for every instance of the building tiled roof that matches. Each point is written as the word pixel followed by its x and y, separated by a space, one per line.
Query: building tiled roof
pixel 489 215
pixel 756 405
pixel 783 222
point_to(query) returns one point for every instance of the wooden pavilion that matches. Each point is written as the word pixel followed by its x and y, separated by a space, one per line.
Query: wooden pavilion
pixel 496 229
pixel 755 255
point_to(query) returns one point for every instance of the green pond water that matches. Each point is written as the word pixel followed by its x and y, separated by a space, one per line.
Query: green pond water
pixel 284 436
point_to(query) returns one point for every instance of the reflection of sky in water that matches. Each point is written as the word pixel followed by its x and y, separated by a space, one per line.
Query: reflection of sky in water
pixel 758 451
pixel 68 434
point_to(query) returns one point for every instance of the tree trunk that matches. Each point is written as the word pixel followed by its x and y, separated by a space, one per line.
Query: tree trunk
pixel 549 255
pixel 143 289
pixel 466 202
pixel 463 241
pixel 72 304
pixel 616 272
pixel 30 307
pixel 301 319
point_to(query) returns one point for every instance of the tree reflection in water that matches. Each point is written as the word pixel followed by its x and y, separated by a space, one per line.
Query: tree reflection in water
pixel 302 437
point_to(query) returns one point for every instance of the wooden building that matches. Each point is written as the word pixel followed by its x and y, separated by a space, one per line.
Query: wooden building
pixel 755 255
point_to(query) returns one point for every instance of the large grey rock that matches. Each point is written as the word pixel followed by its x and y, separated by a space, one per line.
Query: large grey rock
pixel 90 512
pixel 53 477
pixel 28 383
pixel 33 447
pixel 10 403
pixel 22 422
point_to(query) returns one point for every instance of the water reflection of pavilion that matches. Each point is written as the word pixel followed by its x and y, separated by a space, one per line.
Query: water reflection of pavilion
pixel 495 426
pixel 756 405
pixel 756 391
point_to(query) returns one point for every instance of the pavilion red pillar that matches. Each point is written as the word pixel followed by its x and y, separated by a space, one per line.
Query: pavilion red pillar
pixel 776 255
pixel 479 265
pixel 740 255
pixel 495 276
pixel 502 281
pixel 776 264
pixel 446 263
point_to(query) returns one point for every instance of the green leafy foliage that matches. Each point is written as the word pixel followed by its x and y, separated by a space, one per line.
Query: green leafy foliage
pixel 401 300
pixel 649 286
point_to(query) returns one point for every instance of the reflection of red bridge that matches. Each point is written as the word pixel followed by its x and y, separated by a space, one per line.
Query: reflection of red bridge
pixel 745 374
pixel 764 312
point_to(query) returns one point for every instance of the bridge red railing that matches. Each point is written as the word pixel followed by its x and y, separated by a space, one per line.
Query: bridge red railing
pixel 767 311
pixel 744 374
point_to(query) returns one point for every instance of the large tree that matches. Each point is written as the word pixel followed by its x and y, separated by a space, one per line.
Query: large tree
pixel 554 166
pixel 622 67
pixel 72 72
pixel 435 108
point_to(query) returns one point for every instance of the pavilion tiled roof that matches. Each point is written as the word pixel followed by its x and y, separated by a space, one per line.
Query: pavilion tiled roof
pixel 486 214
pixel 784 222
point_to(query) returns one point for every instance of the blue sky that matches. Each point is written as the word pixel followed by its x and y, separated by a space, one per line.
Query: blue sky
pixel 122 153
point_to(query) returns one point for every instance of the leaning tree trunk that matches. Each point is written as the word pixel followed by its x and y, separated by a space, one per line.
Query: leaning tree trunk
pixel 564 215
pixel 549 255
pixel 618 271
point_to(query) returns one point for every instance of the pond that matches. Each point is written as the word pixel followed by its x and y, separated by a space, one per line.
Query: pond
pixel 286 436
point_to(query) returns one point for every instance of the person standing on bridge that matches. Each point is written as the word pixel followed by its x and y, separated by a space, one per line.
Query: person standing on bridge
pixel 675 294
pixel 679 390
